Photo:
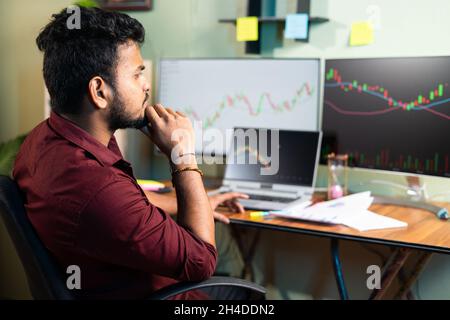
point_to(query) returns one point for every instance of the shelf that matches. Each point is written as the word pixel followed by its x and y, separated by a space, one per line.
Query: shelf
pixel 277 20
pixel 270 26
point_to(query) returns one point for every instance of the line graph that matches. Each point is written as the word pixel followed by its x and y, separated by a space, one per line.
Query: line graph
pixel 420 103
pixel 242 101
pixel 374 113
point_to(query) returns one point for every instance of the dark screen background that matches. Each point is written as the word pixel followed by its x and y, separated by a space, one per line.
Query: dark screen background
pixel 399 140
pixel 297 160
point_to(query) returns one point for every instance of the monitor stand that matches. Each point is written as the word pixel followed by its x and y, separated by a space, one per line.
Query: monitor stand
pixel 416 190
pixel 418 197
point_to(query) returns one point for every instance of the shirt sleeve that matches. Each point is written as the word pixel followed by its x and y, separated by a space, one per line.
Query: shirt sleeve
pixel 120 226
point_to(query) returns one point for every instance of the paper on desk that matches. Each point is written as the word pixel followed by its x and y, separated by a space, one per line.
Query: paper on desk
pixel 358 201
pixel 368 220
pixel 350 211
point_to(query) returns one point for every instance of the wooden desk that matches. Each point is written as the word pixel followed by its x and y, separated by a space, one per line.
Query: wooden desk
pixel 424 232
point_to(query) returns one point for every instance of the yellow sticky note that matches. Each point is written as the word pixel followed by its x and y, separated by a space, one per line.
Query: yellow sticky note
pixel 361 33
pixel 247 29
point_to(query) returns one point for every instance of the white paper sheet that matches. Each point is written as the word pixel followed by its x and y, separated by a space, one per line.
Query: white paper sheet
pixel 350 211
pixel 368 220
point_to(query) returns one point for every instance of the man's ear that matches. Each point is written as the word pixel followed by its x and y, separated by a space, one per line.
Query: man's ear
pixel 99 92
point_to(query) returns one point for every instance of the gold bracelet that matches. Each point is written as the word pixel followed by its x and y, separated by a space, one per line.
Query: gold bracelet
pixel 187 169
pixel 187 154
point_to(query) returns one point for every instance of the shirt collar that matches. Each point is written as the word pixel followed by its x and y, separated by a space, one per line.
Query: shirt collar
pixel 107 156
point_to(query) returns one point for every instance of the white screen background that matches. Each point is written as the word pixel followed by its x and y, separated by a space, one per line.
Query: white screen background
pixel 227 93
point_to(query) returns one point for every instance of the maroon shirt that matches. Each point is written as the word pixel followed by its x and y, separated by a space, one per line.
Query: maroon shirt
pixel 87 208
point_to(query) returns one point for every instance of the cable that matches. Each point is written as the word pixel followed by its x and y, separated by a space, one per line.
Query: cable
pixel 440 212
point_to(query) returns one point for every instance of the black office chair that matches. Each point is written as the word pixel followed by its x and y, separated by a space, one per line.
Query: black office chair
pixel 46 281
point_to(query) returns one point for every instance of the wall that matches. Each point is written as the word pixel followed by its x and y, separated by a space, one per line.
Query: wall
pixel 406 28
pixel 185 28
pixel 174 28
pixel 21 103
pixel 22 97
pixel 402 25
pixel 291 266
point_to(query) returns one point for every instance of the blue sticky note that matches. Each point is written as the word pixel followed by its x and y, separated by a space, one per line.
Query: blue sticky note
pixel 296 26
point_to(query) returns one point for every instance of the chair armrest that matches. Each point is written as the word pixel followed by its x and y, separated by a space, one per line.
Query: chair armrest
pixel 182 287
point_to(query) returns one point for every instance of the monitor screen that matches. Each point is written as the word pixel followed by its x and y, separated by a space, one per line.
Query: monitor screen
pixel 294 164
pixel 220 94
pixel 389 113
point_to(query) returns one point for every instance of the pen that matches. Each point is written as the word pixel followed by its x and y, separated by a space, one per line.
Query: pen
pixel 254 214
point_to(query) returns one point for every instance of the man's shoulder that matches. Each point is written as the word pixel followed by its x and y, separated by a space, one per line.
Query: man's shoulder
pixel 51 163
pixel 45 151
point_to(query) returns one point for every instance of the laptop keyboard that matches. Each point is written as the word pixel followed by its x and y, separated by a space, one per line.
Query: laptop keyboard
pixel 270 198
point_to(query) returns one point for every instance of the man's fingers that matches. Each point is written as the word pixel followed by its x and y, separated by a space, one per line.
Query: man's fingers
pixel 181 114
pixel 238 207
pixel 162 112
pixel 170 111
pixel 152 116
pixel 231 195
pixel 235 206
pixel 220 217
pixel 239 195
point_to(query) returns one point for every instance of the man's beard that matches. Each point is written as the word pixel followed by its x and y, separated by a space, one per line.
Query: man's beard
pixel 119 119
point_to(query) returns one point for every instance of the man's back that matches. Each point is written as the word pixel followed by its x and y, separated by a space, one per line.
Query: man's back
pixel 88 210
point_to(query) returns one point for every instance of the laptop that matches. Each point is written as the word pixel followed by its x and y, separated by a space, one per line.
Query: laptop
pixel 276 177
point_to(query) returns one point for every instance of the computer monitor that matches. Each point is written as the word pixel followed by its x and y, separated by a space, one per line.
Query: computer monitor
pixel 222 94
pixel 297 156
pixel 389 113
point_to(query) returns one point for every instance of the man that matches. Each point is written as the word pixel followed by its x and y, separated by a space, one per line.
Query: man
pixel 81 195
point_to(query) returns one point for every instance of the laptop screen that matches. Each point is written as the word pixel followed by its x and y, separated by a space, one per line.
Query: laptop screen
pixel 273 156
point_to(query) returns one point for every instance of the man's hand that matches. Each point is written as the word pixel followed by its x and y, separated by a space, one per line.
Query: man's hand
pixel 229 200
pixel 169 204
pixel 172 132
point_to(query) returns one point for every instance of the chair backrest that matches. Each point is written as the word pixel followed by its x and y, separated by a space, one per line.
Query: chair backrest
pixel 45 280
pixel 215 288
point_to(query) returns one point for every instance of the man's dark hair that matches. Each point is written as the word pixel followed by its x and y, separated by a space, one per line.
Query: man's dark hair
pixel 72 57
